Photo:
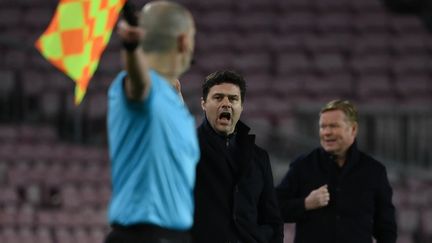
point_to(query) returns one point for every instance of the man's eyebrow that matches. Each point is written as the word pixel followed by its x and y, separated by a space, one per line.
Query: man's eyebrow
pixel 225 94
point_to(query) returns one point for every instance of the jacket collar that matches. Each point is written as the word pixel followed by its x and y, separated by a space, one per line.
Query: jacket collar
pixel 241 130
pixel 352 157
pixel 244 144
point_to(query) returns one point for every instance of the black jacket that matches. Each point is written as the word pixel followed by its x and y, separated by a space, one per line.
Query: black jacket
pixel 360 199
pixel 234 195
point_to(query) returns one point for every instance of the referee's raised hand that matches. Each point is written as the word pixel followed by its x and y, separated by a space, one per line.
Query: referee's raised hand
pixel 130 35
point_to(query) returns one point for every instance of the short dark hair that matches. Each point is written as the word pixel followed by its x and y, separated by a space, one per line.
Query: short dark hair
pixel 220 77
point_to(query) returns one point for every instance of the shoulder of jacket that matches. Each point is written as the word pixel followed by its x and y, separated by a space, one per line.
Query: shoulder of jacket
pixel 261 158
pixel 259 149
pixel 370 161
pixel 306 158
pixel 260 155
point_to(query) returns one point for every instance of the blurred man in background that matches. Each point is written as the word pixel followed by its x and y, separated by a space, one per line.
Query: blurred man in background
pixel 234 195
pixel 152 136
pixel 337 193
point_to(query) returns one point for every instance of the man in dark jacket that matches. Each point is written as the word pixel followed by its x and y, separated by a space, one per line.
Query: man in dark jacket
pixel 234 195
pixel 336 193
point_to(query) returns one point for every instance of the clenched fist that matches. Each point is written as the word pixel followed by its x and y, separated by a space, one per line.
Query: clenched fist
pixel 130 35
pixel 318 198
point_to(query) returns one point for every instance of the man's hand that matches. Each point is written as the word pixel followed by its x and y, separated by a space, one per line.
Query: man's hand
pixel 130 35
pixel 318 198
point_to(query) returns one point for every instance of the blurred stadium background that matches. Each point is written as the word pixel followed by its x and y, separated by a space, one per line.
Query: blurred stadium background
pixel 295 54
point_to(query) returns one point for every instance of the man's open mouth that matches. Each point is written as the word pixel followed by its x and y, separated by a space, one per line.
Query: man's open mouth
pixel 225 116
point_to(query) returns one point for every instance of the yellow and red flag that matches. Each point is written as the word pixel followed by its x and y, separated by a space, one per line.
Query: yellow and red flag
pixel 77 36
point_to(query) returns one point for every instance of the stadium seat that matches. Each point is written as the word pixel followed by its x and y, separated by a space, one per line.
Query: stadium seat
pixel 407 25
pixel 216 41
pixel 95 117
pixel 293 63
pixel 15 59
pixel 408 219
pixel 260 126
pixel 9 234
pixel 206 6
pixel 367 6
pixel 334 43
pixel 70 196
pixel 411 64
pixel 11 16
pixel 81 235
pixel 216 21
pixel 45 218
pixel 373 85
pixel 246 6
pixel 8 215
pixel 255 21
pixel 329 63
pixel 409 44
pixel 405 238
pixel 286 42
pixel 97 235
pixel 257 41
pixel 63 235
pixel 334 23
pixel 377 43
pixel 43 235
pixel 290 85
pixel 294 6
pixel 191 83
pixel 252 63
pixel 332 6
pixel 8 94
pixel 258 84
pixel 51 106
pixel 8 133
pixel 426 221
pixel 297 22
pixel 370 63
pixel 37 16
pixel 8 196
pixel 336 86
pixel 367 23
pixel 32 84
pixel 210 62
pixel 25 216
pixel 409 85
pixel 110 63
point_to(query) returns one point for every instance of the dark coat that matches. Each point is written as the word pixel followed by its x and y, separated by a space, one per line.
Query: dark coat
pixel 234 195
pixel 360 199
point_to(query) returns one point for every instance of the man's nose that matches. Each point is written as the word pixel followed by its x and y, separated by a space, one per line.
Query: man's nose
pixel 226 102
pixel 326 130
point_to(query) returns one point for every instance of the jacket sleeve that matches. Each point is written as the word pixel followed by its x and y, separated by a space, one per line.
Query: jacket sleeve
pixel 291 202
pixel 268 206
pixel 385 229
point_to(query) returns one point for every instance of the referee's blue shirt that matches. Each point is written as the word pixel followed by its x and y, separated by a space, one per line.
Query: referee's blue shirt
pixel 154 151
